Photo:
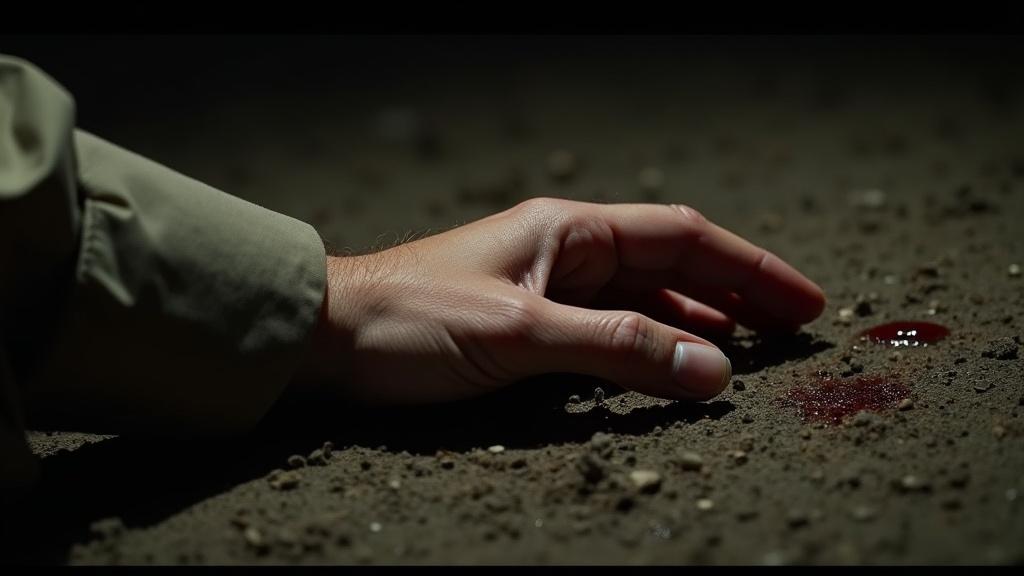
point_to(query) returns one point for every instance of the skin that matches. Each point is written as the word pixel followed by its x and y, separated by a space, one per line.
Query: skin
pixel 550 286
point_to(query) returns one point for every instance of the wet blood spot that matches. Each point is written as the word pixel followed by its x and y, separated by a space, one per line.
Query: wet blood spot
pixel 906 334
pixel 830 399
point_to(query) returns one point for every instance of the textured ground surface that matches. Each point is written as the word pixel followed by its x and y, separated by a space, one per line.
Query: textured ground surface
pixel 892 173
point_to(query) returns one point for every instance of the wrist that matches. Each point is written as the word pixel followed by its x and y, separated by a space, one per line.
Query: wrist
pixel 330 346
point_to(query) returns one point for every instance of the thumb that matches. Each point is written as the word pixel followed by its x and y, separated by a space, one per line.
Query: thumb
pixel 629 349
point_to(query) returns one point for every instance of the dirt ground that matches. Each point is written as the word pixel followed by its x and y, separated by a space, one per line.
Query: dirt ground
pixel 889 171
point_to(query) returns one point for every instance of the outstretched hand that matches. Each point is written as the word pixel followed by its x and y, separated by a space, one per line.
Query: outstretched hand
pixel 612 291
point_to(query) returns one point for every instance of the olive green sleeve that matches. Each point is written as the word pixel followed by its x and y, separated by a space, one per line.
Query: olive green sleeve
pixel 180 310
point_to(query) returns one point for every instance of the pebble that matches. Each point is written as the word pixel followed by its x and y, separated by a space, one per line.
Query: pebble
pixel 317 457
pixel 328 449
pixel 691 461
pixel 912 483
pixel 254 538
pixel 738 385
pixel 562 165
pixel 845 315
pixel 375 527
pixel 598 395
pixel 738 456
pixel 281 480
pixel 905 404
pixel 1001 349
pixel 599 441
pixel 1013 270
pixel 999 431
pixel 705 504
pixel 747 419
pixel 575 399
pixel 496 449
pixel 394 483
pixel 647 481
pixel 979 388
pixel 296 461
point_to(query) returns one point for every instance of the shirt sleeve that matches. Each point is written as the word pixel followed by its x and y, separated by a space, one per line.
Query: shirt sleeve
pixel 145 300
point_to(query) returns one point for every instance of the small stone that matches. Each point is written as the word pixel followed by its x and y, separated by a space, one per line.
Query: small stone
pixel 575 399
pixel 845 315
pixel 328 449
pixel 317 458
pixel 747 419
pixel 1013 270
pixel 254 538
pixel 296 461
pixel 738 385
pixel 1011 494
pixel 598 395
pixel 282 480
pixel 394 483
pixel 862 513
pixel 890 279
pixel 999 431
pixel 562 165
pixel 705 504
pixel 691 461
pixel 738 456
pixel 1001 349
pixel 984 387
pixel 647 481
pixel 905 404
pixel 912 483
pixel 496 449
pixel 375 527
pixel 446 463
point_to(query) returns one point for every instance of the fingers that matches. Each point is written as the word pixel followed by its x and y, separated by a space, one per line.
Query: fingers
pixel 629 349
pixel 668 307
pixel 697 252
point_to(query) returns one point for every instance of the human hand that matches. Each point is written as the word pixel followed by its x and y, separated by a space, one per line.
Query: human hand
pixel 551 286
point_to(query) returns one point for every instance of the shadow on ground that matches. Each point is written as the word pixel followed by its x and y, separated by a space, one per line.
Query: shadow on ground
pixel 144 480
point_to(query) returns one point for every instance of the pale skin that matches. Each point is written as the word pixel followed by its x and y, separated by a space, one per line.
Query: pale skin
pixel 619 292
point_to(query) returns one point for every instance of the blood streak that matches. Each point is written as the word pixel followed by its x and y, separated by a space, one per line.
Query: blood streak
pixel 830 399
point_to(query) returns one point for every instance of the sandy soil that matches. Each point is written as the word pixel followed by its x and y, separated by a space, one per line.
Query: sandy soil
pixel 891 172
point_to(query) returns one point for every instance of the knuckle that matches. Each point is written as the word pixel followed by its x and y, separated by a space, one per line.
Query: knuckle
pixel 628 334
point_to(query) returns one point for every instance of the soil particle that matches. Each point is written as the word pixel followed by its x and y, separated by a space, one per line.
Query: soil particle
pixel 738 385
pixel 598 395
pixel 107 528
pixel 1013 270
pixel 1001 349
pixel 283 480
pixel 705 504
pixel 296 461
pixel 912 483
pixel 646 481
pixel 905 404
pixel 863 513
pixel 496 449
pixel 317 458
pixel 691 461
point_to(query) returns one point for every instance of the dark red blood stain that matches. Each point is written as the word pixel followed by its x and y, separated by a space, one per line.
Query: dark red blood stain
pixel 906 334
pixel 831 399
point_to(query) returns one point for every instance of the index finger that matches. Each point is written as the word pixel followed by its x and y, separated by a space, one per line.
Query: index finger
pixel 679 240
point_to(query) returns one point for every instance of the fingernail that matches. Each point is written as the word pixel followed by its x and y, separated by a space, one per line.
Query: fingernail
pixel 701 370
